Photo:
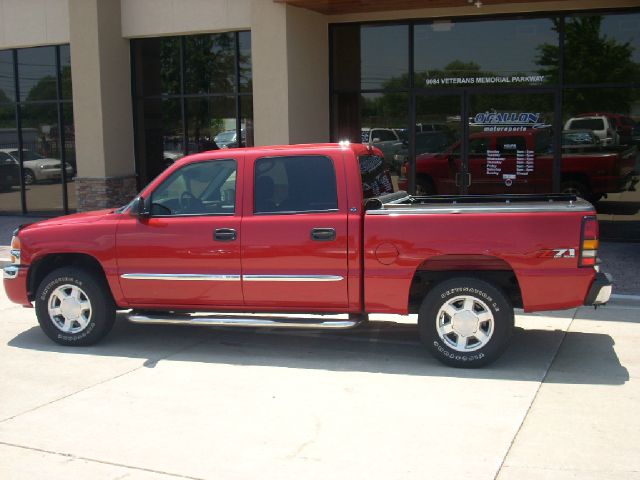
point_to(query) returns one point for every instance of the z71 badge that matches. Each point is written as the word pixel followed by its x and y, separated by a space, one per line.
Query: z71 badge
pixel 558 253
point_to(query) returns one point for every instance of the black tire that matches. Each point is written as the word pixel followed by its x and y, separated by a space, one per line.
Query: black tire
pixel 480 346
pixel 88 326
pixel 424 186
pixel 28 177
pixel 575 187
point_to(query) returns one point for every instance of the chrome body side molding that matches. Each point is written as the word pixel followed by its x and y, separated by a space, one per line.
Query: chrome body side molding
pixel 292 278
pixel 181 277
pixel 230 278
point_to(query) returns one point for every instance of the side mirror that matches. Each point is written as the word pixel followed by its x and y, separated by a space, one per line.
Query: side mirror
pixel 375 140
pixel 141 207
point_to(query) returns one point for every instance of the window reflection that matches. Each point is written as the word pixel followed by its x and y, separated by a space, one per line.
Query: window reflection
pixel 211 123
pixel 9 168
pixel 504 53
pixel 157 65
pixel 602 128
pixel 37 73
pixel 7 84
pixel 602 49
pixel 39 161
pixel 384 61
pixel 244 61
pixel 162 135
pixel 210 63
pixel 42 165
pixel 65 71
pixel 385 119
pixel 179 115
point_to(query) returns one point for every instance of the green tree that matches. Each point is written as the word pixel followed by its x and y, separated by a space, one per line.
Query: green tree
pixel 591 57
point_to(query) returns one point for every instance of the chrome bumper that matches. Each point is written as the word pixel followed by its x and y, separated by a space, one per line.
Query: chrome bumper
pixel 10 272
pixel 600 290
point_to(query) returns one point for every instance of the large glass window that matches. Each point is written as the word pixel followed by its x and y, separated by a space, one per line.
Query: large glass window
pixel 600 49
pixel 191 94
pixel 531 104
pixel 485 53
pixel 600 156
pixel 384 59
pixel 37 151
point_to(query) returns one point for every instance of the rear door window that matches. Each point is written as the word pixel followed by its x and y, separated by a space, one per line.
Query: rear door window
pixel 294 184
pixel 375 178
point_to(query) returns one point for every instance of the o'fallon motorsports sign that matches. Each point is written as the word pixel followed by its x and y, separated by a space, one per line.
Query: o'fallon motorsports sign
pixel 507 121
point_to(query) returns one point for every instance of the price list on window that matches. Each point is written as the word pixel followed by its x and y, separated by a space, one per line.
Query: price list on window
pixel 494 162
pixel 525 161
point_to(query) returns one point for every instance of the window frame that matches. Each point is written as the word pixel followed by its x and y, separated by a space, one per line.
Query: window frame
pixel 293 212
pixel 173 175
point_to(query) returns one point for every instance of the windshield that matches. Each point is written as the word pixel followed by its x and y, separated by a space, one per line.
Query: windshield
pixel 228 136
pixel 26 154
pixel 587 124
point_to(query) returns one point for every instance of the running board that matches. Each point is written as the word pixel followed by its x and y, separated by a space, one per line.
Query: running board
pixel 242 321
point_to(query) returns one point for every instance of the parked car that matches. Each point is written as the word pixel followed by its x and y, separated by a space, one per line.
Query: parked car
pixel 9 172
pixel 36 168
pixel 229 139
pixel 622 123
pixel 636 134
pixel 603 126
pixel 579 141
pixel 426 142
pixel 170 156
pixel 388 140
pixel 522 162
pixel 299 238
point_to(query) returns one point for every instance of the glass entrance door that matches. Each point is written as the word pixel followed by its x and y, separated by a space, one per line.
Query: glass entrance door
pixel 481 143
pixel 510 139
pixel 438 147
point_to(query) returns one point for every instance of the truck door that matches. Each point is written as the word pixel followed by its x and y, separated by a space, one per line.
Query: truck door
pixel 187 252
pixel 294 233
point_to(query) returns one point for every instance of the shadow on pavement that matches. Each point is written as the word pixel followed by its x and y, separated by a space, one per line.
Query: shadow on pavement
pixel 379 347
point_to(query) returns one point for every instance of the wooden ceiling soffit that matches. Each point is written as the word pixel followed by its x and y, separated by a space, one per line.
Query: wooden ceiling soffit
pixel 338 7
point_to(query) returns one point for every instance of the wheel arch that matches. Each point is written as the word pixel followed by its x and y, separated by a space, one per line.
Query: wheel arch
pixel 52 261
pixel 489 268
pixel 429 179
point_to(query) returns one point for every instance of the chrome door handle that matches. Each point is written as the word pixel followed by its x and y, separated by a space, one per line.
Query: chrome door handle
pixel 323 234
pixel 225 235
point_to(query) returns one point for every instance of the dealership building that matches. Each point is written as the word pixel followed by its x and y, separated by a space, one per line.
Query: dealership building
pixel 462 96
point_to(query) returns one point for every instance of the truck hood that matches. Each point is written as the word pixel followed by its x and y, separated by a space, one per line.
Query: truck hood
pixel 75 218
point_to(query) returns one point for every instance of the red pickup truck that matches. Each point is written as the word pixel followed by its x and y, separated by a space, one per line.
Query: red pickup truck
pixel 522 162
pixel 288 229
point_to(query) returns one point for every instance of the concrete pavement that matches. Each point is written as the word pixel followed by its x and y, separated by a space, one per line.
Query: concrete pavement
pixel 192 402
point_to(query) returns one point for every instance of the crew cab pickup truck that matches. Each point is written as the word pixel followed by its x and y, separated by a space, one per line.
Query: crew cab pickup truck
pixel 522 162
pixel 287 230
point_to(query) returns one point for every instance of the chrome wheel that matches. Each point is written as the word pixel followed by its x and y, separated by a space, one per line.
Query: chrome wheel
pixel 465 323
pixel 69 308
pixel 28 177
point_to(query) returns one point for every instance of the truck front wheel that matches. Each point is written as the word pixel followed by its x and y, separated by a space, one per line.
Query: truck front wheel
pixel 74 307
pixel 465 322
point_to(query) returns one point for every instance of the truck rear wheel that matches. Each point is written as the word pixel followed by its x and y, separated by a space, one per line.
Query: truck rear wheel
pixel 466 322
pixel 74 307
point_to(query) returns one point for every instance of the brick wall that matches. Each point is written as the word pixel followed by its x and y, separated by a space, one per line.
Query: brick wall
pixel 109 192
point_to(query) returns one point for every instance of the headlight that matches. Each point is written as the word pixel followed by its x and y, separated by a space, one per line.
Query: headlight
pixel 15 250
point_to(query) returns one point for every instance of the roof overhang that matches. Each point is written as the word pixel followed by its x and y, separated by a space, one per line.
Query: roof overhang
pixel 338 7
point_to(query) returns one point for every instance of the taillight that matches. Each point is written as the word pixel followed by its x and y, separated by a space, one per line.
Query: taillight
pixel 589 242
